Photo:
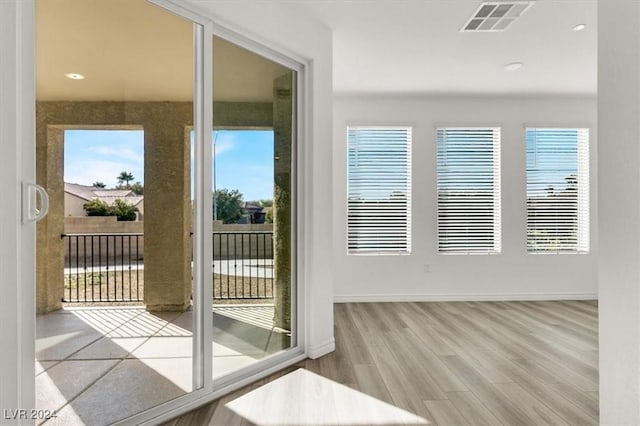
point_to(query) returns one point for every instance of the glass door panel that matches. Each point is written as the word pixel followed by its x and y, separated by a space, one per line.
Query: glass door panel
pixel 114 104
pixel 254 204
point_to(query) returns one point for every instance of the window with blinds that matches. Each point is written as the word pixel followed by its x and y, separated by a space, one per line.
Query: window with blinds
pixel 468 165
pixel 379 190
pixel 557 190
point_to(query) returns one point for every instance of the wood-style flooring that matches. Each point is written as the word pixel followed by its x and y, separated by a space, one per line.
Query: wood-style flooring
pixel 455 363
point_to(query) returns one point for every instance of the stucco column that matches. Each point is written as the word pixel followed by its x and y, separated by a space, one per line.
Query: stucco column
pixel 167 222
pixel 619 210
pixel 167 219
pixel 49 245
pixel 282 136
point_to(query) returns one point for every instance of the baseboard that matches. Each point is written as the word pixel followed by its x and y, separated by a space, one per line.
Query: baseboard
pixel 462 297
pixel 319 350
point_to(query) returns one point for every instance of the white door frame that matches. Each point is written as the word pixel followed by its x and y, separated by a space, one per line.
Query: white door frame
pixel 17 251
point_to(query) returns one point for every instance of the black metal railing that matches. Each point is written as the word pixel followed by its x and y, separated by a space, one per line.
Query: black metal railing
pixel 243 265
pixel 110 267
pixel 103 267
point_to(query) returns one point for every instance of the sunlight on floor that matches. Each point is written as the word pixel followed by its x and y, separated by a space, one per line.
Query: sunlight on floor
pixel 91 360
pixel 304 398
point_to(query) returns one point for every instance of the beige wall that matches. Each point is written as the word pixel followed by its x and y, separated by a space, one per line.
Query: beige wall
pixel 242 241
pixel 110 224
pixel 233 241
pixel 104 244
pixel 166 125
pixel 100 225
pixel 73 206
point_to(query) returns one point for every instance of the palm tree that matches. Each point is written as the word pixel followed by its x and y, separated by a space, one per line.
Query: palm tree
pixel 98 184
pixel 125 177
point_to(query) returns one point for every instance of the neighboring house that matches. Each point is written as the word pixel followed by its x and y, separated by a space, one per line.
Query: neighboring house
pixel 253 213
pixel 75 196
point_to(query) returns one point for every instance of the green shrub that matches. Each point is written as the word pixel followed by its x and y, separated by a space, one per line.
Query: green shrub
pixel 123 210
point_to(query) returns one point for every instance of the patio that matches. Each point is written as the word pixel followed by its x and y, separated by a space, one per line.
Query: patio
pixel 139 359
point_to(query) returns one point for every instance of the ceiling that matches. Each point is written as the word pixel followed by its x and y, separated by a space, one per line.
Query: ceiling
pixel 415 47
pixel 131 50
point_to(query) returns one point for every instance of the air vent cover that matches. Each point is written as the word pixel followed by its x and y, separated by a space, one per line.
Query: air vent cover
pixel 496 16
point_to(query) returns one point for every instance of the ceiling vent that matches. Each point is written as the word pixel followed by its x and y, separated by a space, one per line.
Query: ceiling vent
pixel 496 16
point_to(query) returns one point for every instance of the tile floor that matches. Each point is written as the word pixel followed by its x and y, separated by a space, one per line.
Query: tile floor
pixel 100 365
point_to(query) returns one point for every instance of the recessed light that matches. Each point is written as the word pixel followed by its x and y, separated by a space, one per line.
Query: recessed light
pixel 74 76
pixel 579 27
pixel 513 66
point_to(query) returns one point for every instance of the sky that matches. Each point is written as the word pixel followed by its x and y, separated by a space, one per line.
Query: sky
pixel 100 155
pixel 243 159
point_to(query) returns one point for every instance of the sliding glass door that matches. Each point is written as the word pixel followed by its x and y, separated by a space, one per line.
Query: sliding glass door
pixel 167 266
pixel 254 208
pixel 114 294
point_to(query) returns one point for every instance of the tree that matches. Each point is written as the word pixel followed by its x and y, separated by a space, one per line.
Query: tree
pixel 124 178
pixel 98 184
pixel 228 205
pixel 97 208
pixel 263 203
pixel 137 188
pixel 572 182
pixel 124 210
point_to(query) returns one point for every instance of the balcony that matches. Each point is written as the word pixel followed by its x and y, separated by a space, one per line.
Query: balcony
pixel 109 268
pixel 104 341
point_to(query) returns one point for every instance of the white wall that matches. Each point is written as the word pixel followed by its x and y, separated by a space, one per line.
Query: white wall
pixel 281 26
pixel 513 274
pixel 619 227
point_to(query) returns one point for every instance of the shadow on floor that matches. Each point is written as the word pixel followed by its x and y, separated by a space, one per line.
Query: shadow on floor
pixel 101 365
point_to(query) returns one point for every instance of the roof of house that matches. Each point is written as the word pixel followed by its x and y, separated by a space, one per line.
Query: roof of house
pixel 109 196
pixel 102 192
pixel 80 191
pixel 252 206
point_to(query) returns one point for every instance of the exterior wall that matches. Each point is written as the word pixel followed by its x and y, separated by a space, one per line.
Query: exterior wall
pixel 100 225
pixel 252 241
pixel 426 275
pixel 166 127
pixel 73 206
pixel 102 247
pixel 167 188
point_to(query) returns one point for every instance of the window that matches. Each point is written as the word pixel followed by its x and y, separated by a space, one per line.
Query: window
pixel 557 190
pixel 379 190
pixel 468 190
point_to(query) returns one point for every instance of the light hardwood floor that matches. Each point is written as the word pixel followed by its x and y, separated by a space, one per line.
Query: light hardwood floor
pixel 458 363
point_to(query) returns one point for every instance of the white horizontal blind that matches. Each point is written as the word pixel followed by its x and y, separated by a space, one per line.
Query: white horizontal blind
pixel 557 190
pixel 469 190
pixel 379 189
